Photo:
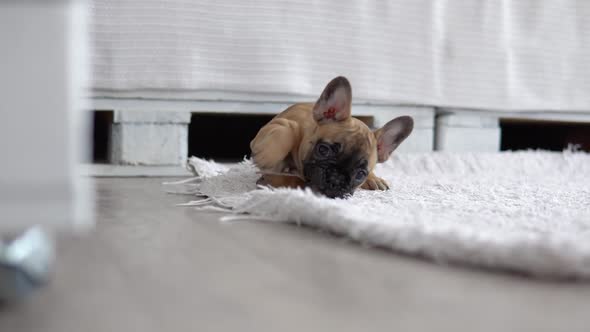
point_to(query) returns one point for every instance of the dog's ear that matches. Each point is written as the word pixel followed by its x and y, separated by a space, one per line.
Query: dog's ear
pixel 335 102
pixel 390 136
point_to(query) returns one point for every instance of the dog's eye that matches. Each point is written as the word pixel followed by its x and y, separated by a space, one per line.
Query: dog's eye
pixel 360 175
pixel 323 150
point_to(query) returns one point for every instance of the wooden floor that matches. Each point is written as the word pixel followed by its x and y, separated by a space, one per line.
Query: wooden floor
pixel 151 266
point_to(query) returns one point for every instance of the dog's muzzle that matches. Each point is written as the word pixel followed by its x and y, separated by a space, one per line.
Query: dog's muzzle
pixel 328 180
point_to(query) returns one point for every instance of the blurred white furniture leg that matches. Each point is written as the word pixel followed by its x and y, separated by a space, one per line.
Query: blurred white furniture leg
pixel 42 126
pixel 467 132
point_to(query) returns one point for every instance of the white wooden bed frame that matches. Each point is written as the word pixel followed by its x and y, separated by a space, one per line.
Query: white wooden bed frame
pixel 163 123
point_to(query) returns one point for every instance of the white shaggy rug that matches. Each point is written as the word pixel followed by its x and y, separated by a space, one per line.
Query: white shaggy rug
pixel 527 212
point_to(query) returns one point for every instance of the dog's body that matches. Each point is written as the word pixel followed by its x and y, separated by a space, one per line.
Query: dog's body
pixel 323 147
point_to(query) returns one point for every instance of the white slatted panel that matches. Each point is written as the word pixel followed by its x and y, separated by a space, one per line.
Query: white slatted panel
pixel 496 54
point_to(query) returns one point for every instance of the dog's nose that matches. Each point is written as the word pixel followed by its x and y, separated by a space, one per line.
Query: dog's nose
pixel 338 193
pixel 336 184
pixel 336 179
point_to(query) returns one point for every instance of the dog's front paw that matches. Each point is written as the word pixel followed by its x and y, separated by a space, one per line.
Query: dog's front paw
pixel 374 183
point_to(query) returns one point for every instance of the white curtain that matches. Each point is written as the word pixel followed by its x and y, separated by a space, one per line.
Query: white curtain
pixel 492 54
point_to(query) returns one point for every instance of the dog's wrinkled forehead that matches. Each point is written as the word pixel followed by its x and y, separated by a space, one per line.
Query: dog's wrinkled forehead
pixel 353 159
pixel 353 136
pixel 353 142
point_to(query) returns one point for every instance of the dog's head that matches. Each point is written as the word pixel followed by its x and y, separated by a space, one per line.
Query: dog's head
pixel 338 156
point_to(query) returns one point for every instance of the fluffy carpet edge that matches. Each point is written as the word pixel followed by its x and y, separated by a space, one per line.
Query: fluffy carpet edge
pixel 539 254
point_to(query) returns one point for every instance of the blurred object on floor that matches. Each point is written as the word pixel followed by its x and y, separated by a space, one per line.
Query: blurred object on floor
pixel 43 134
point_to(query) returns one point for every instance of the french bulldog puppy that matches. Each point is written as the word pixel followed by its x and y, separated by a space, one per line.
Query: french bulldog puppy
pixel 321 146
